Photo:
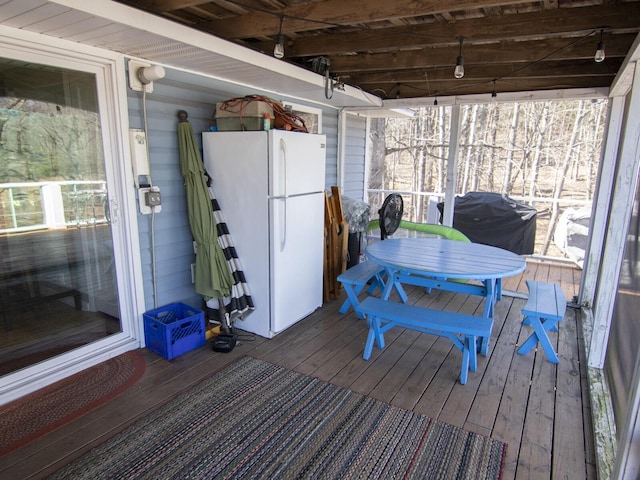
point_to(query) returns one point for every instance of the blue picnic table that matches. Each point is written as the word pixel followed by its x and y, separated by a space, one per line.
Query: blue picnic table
pixel 444 264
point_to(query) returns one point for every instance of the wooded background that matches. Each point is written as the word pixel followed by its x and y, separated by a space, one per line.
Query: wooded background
pixel 44 142
pixel 545 154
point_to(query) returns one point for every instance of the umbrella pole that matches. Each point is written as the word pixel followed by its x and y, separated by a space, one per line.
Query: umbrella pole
pixel 225 323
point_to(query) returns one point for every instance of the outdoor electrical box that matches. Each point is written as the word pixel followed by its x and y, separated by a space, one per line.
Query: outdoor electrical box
pixel 149 200
pixel 139 157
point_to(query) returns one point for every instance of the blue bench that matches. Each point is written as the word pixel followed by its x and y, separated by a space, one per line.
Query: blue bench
pixel 544 309
pixel 355 279
pixel 463 330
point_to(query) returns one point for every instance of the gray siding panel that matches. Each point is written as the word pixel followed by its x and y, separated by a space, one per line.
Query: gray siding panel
pixel 354 158
pixel 330 129
pixel 174 252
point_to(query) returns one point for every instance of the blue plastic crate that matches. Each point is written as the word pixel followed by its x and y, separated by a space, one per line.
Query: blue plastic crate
pixel 174 329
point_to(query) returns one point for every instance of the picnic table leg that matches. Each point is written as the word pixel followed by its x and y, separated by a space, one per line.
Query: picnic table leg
pixel 388 286
pixel 352 299
pixel 539 334
pixel 368 346
pixel 489 310
pixel 375 334
pixel 464 369
pixel 473 359
pixel 490 286
pixel 393 282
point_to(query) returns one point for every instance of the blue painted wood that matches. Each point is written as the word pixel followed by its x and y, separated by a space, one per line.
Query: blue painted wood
pixel 544 309
pixel 355 279
pixel 433 262
pixel 444 259
pixel 461 329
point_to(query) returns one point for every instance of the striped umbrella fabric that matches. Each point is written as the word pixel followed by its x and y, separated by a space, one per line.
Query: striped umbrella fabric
pixel 240 300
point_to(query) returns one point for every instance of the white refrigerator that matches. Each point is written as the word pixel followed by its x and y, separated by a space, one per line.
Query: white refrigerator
pixel 270 187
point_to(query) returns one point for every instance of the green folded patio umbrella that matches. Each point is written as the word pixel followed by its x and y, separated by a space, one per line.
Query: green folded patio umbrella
pixel 212 275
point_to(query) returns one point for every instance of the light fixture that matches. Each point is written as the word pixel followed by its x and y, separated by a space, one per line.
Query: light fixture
pixel 459 71
pixel 600 56
pixel 493 93
pixel 278 49
pixel 148 75
pixel 435 102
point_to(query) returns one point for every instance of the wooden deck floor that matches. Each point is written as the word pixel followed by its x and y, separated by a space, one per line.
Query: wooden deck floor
pixel 540 409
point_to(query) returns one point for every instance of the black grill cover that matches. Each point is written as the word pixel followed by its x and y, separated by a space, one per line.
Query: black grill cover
pixel 495 219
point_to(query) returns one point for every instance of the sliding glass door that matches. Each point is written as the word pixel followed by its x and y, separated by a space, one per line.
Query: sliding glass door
pixel 58 285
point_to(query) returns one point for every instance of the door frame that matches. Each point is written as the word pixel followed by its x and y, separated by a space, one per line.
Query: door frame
pixel 109 70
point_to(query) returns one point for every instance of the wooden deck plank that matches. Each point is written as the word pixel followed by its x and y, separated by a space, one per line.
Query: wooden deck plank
pixel 509 420
pixel 537 437
pixel 486 405
pixel 385 363
pixel 569 460
pixel 456 409
pixel 157 386
pixel 354 330
pixel 357 366
pixel 439 388
pixel 511 397
pixel 418 379
pixel 395 380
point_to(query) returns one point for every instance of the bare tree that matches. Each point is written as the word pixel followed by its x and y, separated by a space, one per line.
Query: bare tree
pixel 562 174
pixel 471 129
pixel 513 132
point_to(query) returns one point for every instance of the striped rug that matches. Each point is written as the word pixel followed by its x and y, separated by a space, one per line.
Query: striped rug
pixel 258 420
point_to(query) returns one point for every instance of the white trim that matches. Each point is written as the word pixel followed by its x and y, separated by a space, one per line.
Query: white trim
pixel 108 68
pixel 628 166
pixel 150 38
pixel 624 78
pixel 367 159
pixel 452 167
pixel 23 382
pixel 602 200
pixel 342 139
pixel 126 240
pixel 65 54
pixel 376 112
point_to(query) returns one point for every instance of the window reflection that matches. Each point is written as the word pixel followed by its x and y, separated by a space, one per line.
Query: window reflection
pixel 57 274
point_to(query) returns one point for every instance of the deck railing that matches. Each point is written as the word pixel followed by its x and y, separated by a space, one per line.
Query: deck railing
pixel 27 206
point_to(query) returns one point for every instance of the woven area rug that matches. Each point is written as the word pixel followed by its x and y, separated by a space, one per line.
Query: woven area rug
pixel 258 420
pixel 41 412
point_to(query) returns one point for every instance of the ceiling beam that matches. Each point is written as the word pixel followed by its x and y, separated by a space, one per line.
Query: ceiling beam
pixel 462 87
pixel 503 52
pixel 311 16
pixel 581 68
pixel 562 22
pixel 167 5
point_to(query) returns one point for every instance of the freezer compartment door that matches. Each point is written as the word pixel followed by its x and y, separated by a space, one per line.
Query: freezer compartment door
pixel 297 163
pixel 296 258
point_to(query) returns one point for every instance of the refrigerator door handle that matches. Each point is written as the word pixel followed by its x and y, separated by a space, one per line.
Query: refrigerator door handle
pixel 283 238
pixel 283 158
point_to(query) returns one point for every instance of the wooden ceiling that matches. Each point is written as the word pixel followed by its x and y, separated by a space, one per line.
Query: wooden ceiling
pixel 408 48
